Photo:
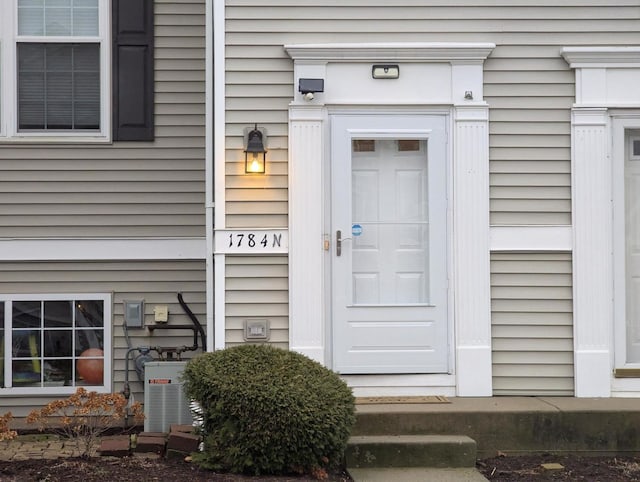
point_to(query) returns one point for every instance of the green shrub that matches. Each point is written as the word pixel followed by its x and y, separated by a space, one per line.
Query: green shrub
pixel 269 411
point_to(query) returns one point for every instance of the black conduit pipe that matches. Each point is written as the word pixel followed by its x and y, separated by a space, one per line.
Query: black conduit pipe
pixel 194 320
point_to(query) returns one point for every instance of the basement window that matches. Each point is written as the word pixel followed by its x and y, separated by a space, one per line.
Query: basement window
pixel 55 343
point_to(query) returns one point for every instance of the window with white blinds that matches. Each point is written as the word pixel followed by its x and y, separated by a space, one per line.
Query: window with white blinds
pixel 72 18
pixel 57 70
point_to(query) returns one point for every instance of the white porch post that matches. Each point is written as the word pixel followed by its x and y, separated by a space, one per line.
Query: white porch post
pixel 592 273
pixel 306 254
pixel 471 250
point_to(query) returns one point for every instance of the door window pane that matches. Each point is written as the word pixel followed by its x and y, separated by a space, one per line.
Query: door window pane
pixel 390 235
pixel 408 145
pixel 363 145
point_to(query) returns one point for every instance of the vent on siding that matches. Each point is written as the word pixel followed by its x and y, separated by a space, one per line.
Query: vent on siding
pixel 164 400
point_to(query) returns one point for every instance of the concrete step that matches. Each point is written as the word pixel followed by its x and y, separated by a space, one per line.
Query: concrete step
pixel 410 451
pixel 421 474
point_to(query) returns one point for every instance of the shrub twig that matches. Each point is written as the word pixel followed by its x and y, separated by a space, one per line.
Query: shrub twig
pixel 5 432
pixel 84 416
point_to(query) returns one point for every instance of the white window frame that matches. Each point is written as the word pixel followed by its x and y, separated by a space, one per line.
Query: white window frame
pixel 58 390
pixel 8 79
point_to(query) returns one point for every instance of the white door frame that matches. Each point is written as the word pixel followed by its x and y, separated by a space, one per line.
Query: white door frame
pixel 446 75
pixel 621 123
pixel 606 83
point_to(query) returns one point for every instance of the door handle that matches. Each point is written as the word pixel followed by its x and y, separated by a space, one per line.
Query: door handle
pixel 339 240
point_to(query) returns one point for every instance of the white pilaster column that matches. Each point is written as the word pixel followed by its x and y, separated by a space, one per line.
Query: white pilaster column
pixel 306 254
pixel 592 254
pixel 472 298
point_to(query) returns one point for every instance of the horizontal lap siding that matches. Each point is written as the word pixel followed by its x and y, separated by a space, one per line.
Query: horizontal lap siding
pixel 528 86
pixel 125 188
pixel 529 89
pixel 157 283
pixel 257 289
pixel 530 92
pixel 532 324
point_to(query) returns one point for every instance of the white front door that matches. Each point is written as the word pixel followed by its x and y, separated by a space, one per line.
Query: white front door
pixel 389 250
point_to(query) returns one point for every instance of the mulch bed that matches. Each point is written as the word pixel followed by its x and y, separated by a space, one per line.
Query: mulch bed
pixel 147 468
pixel 574 468
pixel 134 468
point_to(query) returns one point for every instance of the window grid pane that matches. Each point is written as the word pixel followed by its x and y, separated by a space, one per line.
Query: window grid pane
pixel 55 18
pixel 58 86
pixel 57 343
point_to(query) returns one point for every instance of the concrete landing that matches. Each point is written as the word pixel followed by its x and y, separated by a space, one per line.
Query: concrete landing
pixel 591 426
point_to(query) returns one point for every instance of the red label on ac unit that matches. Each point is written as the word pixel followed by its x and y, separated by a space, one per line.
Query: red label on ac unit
pixel 159 381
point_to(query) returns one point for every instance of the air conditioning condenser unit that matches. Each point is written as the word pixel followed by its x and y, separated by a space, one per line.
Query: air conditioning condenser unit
pixel 164 400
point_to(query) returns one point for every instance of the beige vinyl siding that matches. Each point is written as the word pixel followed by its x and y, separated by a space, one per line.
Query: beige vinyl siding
pixel 528 86
pixel 127 188
pixel 529 89
pixel 532 324
pixel 157 283
pixel 530 92
pixel 257 288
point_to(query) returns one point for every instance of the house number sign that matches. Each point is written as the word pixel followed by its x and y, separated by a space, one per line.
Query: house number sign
pixel 251 241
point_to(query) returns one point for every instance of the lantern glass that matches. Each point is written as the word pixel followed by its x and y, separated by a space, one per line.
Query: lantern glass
pixel 254 162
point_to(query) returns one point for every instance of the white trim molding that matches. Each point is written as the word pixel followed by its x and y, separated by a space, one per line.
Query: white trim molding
pixel 401 385
pixel 306 239
pixel 602 57
pixel 217 122
pixel 445 77
pixel 450 73
pixel 606 77
pixel 472 297
pixel 531 238
pixel 208 170
pixel 592 270
pixel 101 249
pixel 452 52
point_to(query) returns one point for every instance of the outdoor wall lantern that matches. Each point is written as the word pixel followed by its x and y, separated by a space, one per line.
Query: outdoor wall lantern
pixel 255 155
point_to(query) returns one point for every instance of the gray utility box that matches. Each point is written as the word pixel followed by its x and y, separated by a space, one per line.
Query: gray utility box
pixel 164 400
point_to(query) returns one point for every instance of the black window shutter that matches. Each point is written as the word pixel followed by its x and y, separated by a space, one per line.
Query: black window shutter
pixel 132 70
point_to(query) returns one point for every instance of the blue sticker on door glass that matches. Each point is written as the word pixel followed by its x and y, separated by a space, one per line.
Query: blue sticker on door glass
pixel 356 230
